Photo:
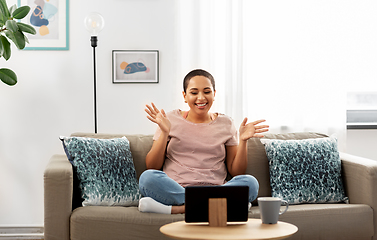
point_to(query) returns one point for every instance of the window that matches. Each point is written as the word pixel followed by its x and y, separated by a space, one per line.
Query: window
pixel 362 110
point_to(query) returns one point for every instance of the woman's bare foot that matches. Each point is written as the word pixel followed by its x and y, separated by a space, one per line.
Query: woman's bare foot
pixel 178 209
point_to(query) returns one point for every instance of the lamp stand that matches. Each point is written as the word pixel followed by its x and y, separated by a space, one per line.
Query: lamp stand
pixel 93 41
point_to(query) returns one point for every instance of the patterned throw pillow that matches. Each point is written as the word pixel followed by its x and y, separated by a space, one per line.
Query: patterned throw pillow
pixel 305 171
pixel 105 170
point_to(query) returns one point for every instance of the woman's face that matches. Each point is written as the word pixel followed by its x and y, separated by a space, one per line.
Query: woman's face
pixel 199 94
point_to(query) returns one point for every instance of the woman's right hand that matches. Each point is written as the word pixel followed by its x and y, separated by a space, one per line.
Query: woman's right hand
pixel 158 117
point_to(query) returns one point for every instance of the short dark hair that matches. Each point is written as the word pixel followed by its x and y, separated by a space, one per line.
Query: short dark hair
pixel 197 72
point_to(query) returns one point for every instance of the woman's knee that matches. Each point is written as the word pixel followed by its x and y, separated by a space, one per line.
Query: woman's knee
pixel 253 187
pixel 149 177
pixel 251 182
pixel 157 185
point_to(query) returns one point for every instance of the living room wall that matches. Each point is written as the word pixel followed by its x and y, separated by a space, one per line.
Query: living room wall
pixel 54 96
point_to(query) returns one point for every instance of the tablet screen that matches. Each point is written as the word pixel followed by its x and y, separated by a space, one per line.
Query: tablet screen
pixel 196 202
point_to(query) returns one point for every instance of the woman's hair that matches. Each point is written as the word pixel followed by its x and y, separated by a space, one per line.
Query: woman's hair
pixel 197 72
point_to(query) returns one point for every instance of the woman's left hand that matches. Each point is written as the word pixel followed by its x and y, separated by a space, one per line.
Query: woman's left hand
pixel 252 129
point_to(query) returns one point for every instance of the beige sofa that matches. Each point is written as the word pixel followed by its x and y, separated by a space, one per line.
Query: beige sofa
pixel 66 219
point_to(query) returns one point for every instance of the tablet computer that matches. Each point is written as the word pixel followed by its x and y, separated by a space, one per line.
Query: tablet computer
pixel 196 202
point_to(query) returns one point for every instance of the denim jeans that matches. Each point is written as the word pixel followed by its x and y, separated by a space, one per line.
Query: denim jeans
pixel 157 185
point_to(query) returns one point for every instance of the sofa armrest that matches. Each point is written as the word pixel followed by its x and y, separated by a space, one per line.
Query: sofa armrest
pixel 58 190
pixel 360 178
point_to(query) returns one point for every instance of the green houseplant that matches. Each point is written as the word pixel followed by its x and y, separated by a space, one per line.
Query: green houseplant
pixel 12 31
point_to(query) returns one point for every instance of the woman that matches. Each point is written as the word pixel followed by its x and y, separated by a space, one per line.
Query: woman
pixel 194 147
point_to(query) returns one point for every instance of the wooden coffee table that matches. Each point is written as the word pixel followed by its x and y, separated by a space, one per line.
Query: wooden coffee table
pixel 251 230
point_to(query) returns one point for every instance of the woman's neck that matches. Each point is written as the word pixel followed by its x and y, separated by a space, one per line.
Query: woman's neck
pixel 192 117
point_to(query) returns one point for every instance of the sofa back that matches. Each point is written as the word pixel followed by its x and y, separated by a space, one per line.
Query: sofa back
pixel 257 158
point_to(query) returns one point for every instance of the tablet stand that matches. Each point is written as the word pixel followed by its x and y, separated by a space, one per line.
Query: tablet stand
pixel 217 212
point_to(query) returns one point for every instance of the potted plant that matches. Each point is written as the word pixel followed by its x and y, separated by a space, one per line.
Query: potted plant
pixel 12 30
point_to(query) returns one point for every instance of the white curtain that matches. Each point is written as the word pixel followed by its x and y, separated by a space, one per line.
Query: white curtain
pixel 211 38
pixel 289 62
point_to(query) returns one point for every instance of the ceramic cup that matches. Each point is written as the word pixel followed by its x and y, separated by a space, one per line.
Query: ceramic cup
pixel 269 208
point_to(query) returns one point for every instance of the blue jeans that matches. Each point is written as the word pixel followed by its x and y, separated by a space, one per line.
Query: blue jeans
pixel 157 185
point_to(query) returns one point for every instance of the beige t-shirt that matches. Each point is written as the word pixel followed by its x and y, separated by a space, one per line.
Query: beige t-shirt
pixel 196 152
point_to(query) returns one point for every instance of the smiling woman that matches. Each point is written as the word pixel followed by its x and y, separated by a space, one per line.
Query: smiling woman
pixel 194 147
pixel 199 95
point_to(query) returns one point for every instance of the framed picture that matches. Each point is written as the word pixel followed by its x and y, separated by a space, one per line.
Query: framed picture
pixel 50 18
pixel 135 66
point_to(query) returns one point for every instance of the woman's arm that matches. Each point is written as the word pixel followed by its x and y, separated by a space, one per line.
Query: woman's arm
pixel 236 164
pixel 236 156
pixel 156 156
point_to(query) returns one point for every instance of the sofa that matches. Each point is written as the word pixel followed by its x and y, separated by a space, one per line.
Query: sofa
pixel 65 218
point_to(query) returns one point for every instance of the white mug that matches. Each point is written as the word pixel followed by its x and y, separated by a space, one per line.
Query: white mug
pixel 269 208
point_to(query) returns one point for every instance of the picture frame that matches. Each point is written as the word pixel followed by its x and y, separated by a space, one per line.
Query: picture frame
pixel 135 66
pixel 50 18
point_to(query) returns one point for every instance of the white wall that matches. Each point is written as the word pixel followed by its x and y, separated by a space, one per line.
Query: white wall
pixel 362 143
pixel 54 95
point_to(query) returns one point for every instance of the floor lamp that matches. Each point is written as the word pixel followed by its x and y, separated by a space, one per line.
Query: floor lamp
pixel 94 23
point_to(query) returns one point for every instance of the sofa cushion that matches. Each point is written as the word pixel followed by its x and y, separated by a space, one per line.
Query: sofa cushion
pixel 328 221
pixel 104 169
pixel 336 221
pixel 98 223
pixel 257 159
pixel 139 144
pixel 305 171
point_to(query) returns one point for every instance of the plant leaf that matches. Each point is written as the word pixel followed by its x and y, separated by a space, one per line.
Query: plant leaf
pixel 17 38
pixel 26 39
pixel 21 12
pixel 12 8
pixel 11 25
pixel 1 48
pixel 26 28
pixel 8 76
pixel 4 12
pixel 6 47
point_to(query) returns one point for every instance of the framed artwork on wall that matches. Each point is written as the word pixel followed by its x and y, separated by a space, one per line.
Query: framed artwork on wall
pixel 50 18
pixel 135 66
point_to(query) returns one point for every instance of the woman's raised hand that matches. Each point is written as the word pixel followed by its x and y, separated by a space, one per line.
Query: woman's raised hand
pixel 158 117
pixel 252 129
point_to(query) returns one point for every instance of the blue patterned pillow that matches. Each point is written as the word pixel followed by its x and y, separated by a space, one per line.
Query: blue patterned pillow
pixel 105 170
pixel 305 171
